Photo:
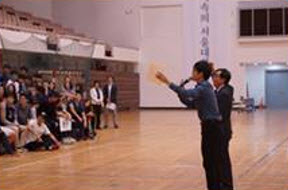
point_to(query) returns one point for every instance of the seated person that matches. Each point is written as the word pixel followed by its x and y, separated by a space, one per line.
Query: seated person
pixel 65 122
pixel 36 95
pixel 23 111
pixel 7 139
pixel 90 119
pixel 50 108
pixel 38 136
pixel 77 110
pixel 8 117
pixel 68 87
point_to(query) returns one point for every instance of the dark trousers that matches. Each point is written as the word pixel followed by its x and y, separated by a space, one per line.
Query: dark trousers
pixel 78 131
pixel 97 109
pixel 227 178
pixel 46 142
pixel 211 145
pixel 54 128
pixel 66 134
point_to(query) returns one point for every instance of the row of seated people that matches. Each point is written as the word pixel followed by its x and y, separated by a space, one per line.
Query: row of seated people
pixel 19 20
pixel 37 114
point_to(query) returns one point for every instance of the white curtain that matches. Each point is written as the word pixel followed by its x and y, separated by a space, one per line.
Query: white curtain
pixel 40 37
pixel 85 43
pixel 14 36
pixel 99 51
pixel 34 44
pixel 24 41
pixel 65 42
pixel 77 49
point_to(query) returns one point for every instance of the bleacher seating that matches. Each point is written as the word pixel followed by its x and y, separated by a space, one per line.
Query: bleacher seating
pixel 19 20
pixel 23 19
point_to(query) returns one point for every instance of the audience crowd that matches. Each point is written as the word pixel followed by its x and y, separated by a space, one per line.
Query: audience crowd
pixel 39 114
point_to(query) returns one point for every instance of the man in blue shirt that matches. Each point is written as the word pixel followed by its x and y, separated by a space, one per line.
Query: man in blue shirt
pixel 203 98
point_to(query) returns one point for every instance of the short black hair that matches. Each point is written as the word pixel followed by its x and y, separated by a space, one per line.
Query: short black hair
pixel 112 77
pixel 96 81
pixel 204 67
pixel 14 72
pixel 40 113
pixel 38 76
pixel 224 74
pixel 23 68
pixel 23 95
pixel 21 76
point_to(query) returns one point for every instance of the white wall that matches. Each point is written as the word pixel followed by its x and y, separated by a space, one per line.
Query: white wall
pixel 41 8
pixel 161 42
pixel 191 35
pixel 115 21
pixel 223 41
pixel 176 46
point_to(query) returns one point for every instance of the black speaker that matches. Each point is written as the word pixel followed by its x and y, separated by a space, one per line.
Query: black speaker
pixel 53 47
pixel 52 43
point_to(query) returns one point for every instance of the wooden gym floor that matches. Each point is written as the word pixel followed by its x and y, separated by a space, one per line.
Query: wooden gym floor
pixel 156 150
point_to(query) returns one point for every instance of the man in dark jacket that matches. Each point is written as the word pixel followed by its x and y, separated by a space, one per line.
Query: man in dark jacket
pixel 110 92
pixel 224 93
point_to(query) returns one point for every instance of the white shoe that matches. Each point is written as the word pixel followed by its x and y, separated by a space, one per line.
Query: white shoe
pixel 21 150
pixel 72 141
pixel 65 141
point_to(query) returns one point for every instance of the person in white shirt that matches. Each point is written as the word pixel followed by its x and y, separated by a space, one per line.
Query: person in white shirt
pixel 97 100
pixel 37 135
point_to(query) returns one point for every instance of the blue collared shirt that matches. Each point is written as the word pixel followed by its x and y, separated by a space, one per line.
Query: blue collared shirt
pixel 202 97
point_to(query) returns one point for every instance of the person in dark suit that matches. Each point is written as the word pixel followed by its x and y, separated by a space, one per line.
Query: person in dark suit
pixel 110 92
pixel 224 93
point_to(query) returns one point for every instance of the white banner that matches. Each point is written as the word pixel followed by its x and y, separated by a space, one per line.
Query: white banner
pixel 15 36
pixel 40 37
pixel 204 29
pixel 32 45
pixel 31 42
pixel 63 42
pixel 76 49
